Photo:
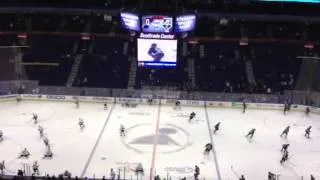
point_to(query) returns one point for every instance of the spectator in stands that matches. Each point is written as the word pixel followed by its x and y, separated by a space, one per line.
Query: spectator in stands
pixel 269 91
pixel 157 177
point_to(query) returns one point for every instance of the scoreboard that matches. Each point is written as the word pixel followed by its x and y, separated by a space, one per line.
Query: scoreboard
pixel 157 24
pixel 157 36
pixel 167 24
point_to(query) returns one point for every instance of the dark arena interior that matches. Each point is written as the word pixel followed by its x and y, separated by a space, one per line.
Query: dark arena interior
pixel 160 89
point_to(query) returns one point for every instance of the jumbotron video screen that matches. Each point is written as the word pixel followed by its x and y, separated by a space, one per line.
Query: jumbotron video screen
pixel 157 52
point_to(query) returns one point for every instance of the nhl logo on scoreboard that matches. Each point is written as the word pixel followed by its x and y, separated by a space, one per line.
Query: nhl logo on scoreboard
pixel 167 24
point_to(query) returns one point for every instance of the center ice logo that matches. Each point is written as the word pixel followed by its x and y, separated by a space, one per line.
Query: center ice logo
pixel 171 138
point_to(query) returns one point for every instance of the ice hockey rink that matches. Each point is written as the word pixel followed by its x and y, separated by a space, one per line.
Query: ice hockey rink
pixel 160 138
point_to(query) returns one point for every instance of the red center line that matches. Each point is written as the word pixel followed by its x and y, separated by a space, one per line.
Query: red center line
pixel 155 143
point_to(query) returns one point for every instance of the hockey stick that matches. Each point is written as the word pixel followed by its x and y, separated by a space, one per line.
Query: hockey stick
pixel 234 172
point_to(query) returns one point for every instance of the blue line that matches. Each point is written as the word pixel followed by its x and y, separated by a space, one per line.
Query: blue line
pixel 213 147
pixel 96 144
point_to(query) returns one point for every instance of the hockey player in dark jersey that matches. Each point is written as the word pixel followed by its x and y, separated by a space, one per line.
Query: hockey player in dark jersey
pixel 208 148
pixel 285 131
pixel 271 176
pixel 46 141
pixel 196 172
pixel 155 52
pixel 286 108
pixel 307 132
pixel 285 147
pixel 1 135
pixel 105 106
pixel 216 127
pixel 284 157
pixel 307 111
pixel 192 115
pixel 2 167
pixel 251 133
pixel 242 177
pixel 312 177
pixel 81 123
pixel 40 129
pixel 177 105
pixel 122 130
pixel 35 118
pixel 244 106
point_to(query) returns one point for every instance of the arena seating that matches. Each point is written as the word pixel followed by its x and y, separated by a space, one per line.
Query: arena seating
pixel 49 49
pixel 106 66
pixel 220 66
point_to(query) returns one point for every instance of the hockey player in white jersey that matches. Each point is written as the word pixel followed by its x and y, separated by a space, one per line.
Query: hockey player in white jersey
pixel 81 123
pixel 48 154
pixel 24 153
pixel 40 129
pixel 2 167
pixel 35 168
pixel 77 102
pixel 122 130
pixel 105 106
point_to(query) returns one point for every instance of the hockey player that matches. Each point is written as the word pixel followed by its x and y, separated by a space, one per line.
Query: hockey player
pixel 312 177
pixel 307 132
pixel 177 105
pixel 35 118
pixel 81 123
pixel 244 106
pixel 1 135
pixel 112 174
pixel 271 176
pixel 18 98
pixel 24 154
pixel 216 127
pixel 208 148
pixel 285 147
pixel 286 108
pixel 77 102
pixel 2 167
pixel 285 131
pixel 40 129
pixel 251 133
pixel 139 169
pixel 192 115
pixel 150 101
pixel 122 130
pixel 242 177
pixel 196 172
pixel 35 168
pixel 307 111
pixel 105 106
pixel 284 157
pixel 46 142
pixel 48 153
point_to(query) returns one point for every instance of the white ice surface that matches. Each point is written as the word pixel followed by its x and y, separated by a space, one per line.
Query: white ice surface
pixel 176 157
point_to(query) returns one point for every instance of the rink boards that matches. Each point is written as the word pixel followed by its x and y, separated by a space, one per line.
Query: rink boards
pixel 120 100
